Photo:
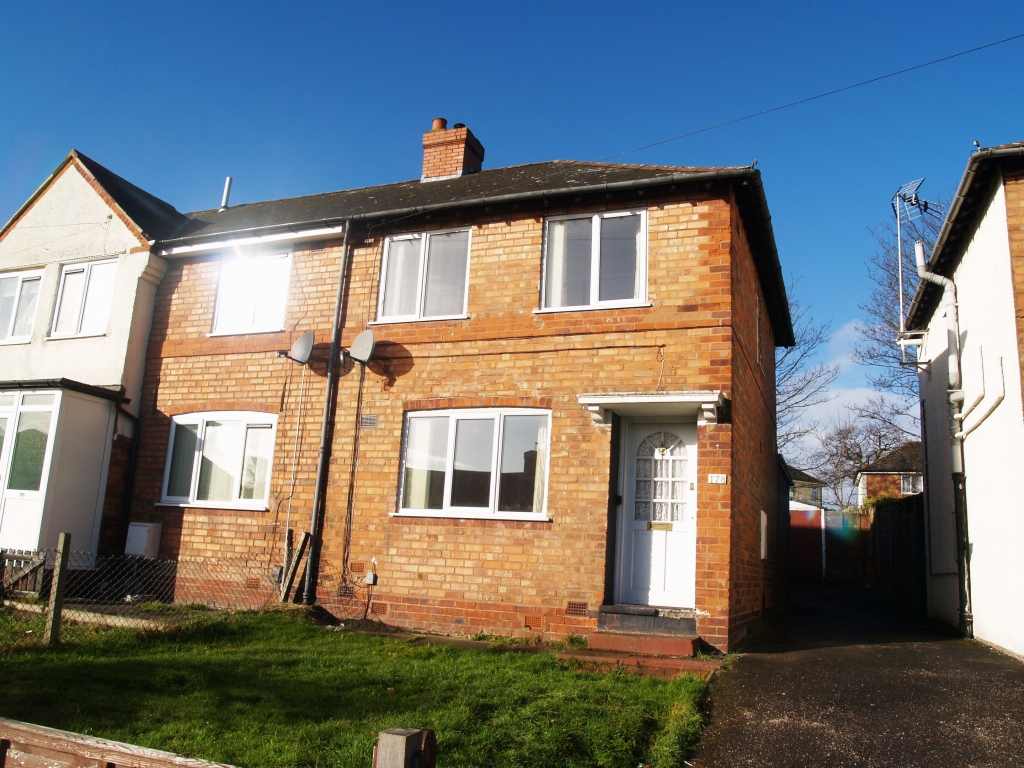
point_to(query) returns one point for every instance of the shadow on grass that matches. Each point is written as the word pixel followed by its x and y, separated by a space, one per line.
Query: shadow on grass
pixel 275 690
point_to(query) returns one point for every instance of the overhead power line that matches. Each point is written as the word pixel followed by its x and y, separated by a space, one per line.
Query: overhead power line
pixel 814 98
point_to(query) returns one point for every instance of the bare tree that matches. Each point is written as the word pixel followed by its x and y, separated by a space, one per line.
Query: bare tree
pixel 800 382
pixel 844 446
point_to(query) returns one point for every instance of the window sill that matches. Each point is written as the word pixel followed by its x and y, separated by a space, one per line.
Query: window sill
pixel 530 517
pixel 418 320
pixel 595 307
pixel 228 505
pixel 13 342
pixel 244 333
pixel 77 336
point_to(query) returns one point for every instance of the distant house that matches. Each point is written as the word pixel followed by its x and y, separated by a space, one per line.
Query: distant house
pixel 77 283
pixel 972 394
pixel 897 473
pixel 806 489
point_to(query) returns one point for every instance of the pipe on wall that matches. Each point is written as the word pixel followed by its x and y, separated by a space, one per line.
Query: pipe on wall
pixel 319 492
pixel 955 402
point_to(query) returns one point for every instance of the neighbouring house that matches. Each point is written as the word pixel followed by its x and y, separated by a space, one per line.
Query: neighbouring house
pixel 807 519
pixel 77 283
pixel 567 423
pixel 972 413
pixel 897 473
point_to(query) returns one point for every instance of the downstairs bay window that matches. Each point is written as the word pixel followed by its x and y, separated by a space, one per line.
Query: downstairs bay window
pixel 219 459
pixel 487 463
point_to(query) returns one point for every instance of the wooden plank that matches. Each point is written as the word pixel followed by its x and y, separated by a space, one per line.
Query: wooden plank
pixel 293 566
pixel 35 746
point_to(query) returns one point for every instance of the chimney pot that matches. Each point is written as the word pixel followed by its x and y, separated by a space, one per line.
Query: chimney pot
pixel 440 124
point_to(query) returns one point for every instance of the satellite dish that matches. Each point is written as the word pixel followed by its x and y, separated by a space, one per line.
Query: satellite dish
pixel 302 348
pixel 362 348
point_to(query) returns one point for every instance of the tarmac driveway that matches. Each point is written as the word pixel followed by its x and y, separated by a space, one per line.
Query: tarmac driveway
pixel 841 681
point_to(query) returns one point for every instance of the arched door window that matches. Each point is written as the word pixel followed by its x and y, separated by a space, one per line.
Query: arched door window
pixel 660 479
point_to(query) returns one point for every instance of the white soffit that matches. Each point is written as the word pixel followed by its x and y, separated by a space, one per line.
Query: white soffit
pixel 294 237
pixel 701 404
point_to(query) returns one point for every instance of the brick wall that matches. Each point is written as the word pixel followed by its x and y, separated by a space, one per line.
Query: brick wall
pixel 882 484
pixel 754 482
pixel 1013 186
pixel 111 534
pixel 470 575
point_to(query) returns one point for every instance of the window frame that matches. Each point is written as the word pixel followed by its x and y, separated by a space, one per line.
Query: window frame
pixel 23 277
pixel 65 270
pixel 201 418
pixel 474 513
pixel 421 276
pixel 287 255
pixel 912 479
pixel 639 300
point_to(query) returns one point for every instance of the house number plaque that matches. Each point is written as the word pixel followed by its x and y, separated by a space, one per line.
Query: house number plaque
pixel 659 526
pixel 718 479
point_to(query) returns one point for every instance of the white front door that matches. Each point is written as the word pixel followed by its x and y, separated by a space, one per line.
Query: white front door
pixel 658 516
pixel 27 427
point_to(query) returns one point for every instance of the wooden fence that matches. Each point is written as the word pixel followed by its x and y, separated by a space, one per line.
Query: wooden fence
pixel 23 745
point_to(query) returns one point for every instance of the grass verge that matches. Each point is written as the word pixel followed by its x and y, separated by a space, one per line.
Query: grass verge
pixel 274 690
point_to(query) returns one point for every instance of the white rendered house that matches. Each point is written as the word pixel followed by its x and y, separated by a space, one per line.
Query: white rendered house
pixel 77 283
pixel 971 405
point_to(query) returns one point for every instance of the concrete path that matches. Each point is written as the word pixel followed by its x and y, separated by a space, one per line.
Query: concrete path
pixel 841 681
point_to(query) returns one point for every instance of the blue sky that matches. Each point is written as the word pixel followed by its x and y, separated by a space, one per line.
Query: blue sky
pixel 294 98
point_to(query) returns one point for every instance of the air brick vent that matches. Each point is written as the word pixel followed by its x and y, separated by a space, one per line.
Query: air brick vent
pixel 346 591
pixel 576 608
pixel 536 623
pixel 379 609
pixel 252 583
pixel 368 421
pixel 357 567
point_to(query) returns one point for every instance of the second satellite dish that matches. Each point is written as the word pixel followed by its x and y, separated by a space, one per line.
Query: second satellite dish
pixel 302 348
pixel 362 348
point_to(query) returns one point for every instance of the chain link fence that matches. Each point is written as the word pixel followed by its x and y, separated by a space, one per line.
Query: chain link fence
pixel 138 593
pixel 127 592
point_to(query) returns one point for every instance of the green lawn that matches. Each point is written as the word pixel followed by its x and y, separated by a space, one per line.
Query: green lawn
pixel 275 690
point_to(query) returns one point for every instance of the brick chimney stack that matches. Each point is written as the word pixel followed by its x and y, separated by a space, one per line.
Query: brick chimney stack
pixel 450 152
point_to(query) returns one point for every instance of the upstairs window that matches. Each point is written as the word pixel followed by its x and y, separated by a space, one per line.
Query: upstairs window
pixel 596 261
pixel 424 276
pixel 19 296
pixel 475 463
pixel 84 298
pixel 252 294
pixel 220 459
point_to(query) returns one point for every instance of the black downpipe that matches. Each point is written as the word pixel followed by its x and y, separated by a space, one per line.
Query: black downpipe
pixel 326 432
pixel 963 553
pixel 129 487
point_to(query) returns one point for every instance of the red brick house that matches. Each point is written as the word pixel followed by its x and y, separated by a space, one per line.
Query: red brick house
pixel 897 473
pixel 567 423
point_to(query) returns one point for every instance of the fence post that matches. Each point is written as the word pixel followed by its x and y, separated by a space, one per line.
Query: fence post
pixel 60 570
pixel 405 748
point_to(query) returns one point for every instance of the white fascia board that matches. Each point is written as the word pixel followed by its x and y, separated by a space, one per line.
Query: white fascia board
pixel 700 403
pixel 219 245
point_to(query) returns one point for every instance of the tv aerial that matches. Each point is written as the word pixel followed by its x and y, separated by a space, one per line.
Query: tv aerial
pixel 907 206
pixel 301 349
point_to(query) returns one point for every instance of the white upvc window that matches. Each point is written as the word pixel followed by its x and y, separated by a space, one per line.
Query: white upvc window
pixel 911 484
pixel 477 463
pixel 220 459
pixel 252 294
pixel 19 297
pixel 595 261
pixel 424 276
pixel 84 298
